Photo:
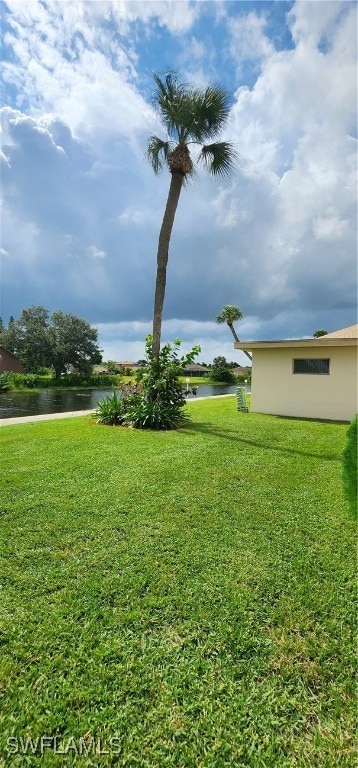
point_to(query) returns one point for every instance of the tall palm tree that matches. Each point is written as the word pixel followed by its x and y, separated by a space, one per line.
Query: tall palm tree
pixel 229 315
pixel 190 116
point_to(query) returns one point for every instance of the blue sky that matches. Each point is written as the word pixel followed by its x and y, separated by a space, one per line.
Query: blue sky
pixel 82 208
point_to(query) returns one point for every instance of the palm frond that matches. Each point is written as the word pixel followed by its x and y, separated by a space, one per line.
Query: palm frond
pixel 210 109
pixel 190 114
pixel 219 158
pixel 157 153
pixel 167 85
pixel 169 99
pixel 229 314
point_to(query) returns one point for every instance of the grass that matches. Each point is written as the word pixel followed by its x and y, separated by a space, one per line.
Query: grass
pixel 189 593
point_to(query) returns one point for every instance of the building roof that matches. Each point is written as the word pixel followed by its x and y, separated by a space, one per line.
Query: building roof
pixel 345 337
pixel 351 332
pixel 128 364
pixel 100 369
pixel 196 367
pixel 3 349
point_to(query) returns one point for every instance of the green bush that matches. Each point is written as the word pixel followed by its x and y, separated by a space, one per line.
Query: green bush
pixel 24 380
pixel 221 371
pixel 156 399
pixel 349 474
pixel 5 380
pixel 242 377
pixel 111 410
pixel 86 380
pixel 160 402
pixel 223 375
pixel 157 415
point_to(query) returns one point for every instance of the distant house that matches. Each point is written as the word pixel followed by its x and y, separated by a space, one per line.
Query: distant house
pixel 127 364
pixel 310 378
pixel 9 362
pixel 119 367
pixel 241 369
pixel 99 369
pixel 196 370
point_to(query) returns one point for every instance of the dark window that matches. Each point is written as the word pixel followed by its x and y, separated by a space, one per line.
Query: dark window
pixel 316 365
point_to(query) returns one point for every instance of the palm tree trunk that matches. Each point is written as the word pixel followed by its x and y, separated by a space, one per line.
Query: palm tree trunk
pixel 232 329
pixel 162 257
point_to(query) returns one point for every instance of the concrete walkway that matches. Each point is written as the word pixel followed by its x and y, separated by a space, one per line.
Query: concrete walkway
pixel 70 414
pixel 42 417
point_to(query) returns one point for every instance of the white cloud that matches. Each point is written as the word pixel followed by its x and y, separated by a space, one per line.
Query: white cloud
pixel 66 67
pixel 311 23
pixel 294 130
pixel 248 39
pixel 125 341
pixel 330 227
pixel 96 253
pixel 83 210
pixel 178 17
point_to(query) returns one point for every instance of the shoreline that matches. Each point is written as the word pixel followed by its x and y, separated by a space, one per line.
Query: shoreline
pixel 7 422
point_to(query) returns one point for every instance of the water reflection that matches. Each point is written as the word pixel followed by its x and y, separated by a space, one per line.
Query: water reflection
pixel 51 401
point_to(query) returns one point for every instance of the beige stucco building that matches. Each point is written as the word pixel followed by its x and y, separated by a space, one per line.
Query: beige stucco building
pixel 309 378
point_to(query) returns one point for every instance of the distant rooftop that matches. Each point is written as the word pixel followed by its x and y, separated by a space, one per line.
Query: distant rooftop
pixel 351 332
pixel 344 337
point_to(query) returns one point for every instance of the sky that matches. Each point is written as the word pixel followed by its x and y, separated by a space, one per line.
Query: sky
pixel 82 208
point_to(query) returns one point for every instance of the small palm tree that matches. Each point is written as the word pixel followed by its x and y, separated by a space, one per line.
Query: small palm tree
pixel 229 315
pixel 190 116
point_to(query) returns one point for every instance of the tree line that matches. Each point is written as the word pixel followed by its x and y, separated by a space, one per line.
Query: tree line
pixel 40 340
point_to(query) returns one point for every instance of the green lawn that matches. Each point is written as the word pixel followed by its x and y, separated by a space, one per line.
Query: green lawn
pixel 189 593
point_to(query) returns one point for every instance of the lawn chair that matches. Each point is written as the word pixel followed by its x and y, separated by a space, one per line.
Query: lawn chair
pixel 241 400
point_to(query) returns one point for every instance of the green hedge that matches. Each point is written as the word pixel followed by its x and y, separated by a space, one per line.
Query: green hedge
pixel 10 380
pixel 349 473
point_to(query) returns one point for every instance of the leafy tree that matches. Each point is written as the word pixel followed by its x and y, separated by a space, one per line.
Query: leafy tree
pixel 157 399
pixel 320 332
pixel 190 116
pixel 160 403
pixel 8 335
pixel 74 342
pixel 229 315
pixel 43 342
pixel 221 371
pixel 33 343
pixel 219 361
pixel 111 366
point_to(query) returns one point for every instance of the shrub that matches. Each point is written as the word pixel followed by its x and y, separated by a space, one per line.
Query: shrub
pixel 85 380
pixel 162 398
pixel 221 371
pixel 245 376
pixel 349 473
pixel 111 410
pixel 114 409
pixel 223 375
pixel 157 415
pixel 24 380
pixel 156 399
pixel 5 380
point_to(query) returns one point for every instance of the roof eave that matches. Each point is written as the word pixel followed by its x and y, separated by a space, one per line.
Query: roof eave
pixel 296 343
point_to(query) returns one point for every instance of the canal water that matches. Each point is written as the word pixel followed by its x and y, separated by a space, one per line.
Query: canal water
pixel 59 401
